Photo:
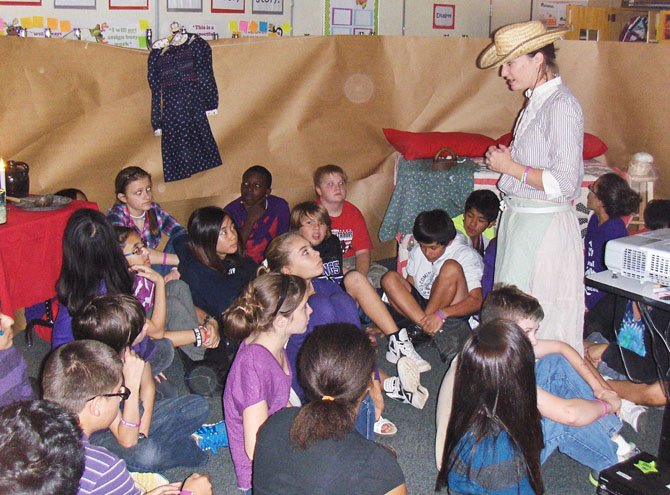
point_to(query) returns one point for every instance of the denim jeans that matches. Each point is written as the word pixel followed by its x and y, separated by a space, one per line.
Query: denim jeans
pixel 590 445
pixel 365 421
pixel 163 356
pixel 169 443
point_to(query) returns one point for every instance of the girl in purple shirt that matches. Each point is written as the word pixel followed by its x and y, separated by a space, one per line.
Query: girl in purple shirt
pixel 270 309
pixel 610 198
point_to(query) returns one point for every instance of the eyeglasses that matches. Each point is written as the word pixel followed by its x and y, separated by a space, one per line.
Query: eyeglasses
pixel 123 392
pixel 138 250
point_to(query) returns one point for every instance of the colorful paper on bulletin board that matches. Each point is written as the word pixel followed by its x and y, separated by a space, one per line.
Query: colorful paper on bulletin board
pixel 53 24
pixel 233 27
pixel 2 23
pixel 351 17
pixel 253 27
pixel 243 26
pixel 142 41
pixel 26 22
pixel 38 21
pixel 144 24
pixel 286 28
pixel 263 27
pixel 65 26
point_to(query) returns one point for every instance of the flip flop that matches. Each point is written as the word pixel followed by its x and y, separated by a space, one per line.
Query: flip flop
pixel 391 429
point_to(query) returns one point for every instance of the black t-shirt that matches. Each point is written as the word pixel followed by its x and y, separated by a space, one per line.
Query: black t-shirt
pixel 331 255
pixel 351 465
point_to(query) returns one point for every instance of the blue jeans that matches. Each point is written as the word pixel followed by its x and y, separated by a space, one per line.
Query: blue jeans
pixel 365 421
pixel 169 443
pixel 590 445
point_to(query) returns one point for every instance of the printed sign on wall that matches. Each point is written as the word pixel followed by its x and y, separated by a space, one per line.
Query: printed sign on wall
pixel 267 7
pixel 231 6
pixel 351 17
pixel 444 16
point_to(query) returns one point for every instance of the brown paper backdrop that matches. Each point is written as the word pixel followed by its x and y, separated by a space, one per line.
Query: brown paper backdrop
pixel 78 112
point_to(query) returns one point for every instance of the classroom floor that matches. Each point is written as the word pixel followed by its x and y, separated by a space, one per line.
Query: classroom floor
pixel 414 442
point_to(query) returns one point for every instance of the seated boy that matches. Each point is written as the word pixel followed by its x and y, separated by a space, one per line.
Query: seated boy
pixel 87 378
pixel 444 276
pixel 347 223
pixel 41 449
pixel 258 215
pixel 478 219
pixel 150 435
pixel 576 404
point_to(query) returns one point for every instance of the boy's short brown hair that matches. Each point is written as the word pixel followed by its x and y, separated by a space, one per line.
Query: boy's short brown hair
pixel 510 303
pixel 77 371
pixel 308 209
pixel 321 172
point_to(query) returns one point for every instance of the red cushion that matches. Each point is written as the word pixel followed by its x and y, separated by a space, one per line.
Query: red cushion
pixel 415 145
pixel 593 145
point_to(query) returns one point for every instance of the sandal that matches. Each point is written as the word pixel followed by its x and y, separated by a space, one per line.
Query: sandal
pixel 382 422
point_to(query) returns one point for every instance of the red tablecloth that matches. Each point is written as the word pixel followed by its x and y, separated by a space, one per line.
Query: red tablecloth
pixel 31 251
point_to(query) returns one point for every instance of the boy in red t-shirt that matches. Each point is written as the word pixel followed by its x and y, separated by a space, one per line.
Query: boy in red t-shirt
pixel 348 224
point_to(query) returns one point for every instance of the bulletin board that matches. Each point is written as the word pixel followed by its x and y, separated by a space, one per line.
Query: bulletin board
pixel 344 17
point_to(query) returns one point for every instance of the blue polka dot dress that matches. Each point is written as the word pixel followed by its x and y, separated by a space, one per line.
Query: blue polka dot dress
pixel 183 89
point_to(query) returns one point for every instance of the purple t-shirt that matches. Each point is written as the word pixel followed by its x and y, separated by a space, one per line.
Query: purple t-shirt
pixel 255 376
pixel 594 251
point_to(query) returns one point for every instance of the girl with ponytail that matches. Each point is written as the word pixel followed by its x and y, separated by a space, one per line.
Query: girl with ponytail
pixel 315 449
pixel 270 309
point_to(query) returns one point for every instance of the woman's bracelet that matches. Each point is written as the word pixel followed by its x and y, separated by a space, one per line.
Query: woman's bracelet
pixel 198 336
pixel 524 177
pixel 164 258
pixel 441 314
pixel 129 424
pixel 606 407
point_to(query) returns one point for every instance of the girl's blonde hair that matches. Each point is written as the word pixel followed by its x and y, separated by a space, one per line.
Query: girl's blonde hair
pixel 279 250
pixel 262 300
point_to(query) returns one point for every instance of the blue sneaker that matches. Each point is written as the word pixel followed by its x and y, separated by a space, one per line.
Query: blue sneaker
pixel 211 437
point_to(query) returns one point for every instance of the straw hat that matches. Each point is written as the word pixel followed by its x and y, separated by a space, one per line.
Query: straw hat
pixel 514 40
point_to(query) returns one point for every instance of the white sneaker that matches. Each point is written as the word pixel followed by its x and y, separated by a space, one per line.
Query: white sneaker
pixel 405 387
pixel 400 345
pixel 633 414
pixel 625 450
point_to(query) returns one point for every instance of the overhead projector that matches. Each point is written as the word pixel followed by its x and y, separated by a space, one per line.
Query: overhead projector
pixel 644 257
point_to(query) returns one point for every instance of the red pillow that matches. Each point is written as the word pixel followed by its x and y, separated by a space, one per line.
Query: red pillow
pixel 415 145
pixel 593 145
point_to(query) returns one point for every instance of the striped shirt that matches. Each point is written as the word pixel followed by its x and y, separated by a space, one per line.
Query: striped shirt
pixel 104 473
pixel 549 134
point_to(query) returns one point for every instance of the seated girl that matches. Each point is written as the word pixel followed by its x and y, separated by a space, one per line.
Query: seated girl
pixel 150 435
pixel 304 450
pixel 136 209
pixel 494 437
pixel 156 296
pixel 271 309
pixel 312 222
pixel 610 197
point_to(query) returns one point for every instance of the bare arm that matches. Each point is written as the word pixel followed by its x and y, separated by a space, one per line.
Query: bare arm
pixel 363 258
pixel 398 490
pixel 133 369
pixel 252 419
pixel 156 258
pixel 572 412
pixel 148 397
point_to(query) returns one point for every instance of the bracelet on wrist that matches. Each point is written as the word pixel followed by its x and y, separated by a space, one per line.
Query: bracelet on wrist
pixel 524 177
pixel 606 407
pixel 441 314
pixel 198 336
pixel 164 258
pixel 129 424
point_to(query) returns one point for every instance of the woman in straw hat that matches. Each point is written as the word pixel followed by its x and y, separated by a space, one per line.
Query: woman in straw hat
pixel 539 243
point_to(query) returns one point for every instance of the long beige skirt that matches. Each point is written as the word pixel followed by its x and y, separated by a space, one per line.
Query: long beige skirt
pixel 540 250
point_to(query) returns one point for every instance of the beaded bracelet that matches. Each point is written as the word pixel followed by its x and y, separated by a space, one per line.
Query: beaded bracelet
pixel 129 424
pixel 198 336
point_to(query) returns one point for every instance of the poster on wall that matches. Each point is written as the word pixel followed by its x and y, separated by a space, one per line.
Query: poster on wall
pixel 444 16
pixel 21 2
pixel 351 17
pixel 228 6
pixel 184 5
pixel 267 7
pixel 128 4
pixel 74 4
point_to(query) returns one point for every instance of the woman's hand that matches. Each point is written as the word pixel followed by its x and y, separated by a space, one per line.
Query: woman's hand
pixel 133 367
pixel 612 399
pixel 431 324
pixel 499 159
pixel 147 272
pixel 213 337
pixel 173 275
pixel 594 353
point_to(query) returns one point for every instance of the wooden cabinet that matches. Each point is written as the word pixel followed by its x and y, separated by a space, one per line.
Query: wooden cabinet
pixel 604 23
